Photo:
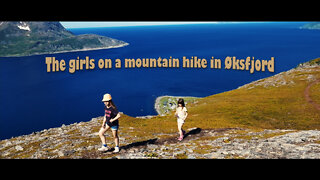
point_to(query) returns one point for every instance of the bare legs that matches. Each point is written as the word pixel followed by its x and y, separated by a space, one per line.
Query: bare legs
pixel 115 136
pixel 101 134
pixel 114 133
pixel 181 131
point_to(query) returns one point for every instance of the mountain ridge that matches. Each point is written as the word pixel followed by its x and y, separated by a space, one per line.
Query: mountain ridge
pixel 33 38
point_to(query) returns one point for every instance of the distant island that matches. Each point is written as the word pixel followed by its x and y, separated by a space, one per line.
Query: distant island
pixel 313 25
pixel 166 104
pixel 32 38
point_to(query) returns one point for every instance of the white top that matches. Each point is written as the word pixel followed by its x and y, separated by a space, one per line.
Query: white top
pixel 181 113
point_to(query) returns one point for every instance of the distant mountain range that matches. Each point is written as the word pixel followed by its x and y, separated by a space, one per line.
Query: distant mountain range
pixel 31 38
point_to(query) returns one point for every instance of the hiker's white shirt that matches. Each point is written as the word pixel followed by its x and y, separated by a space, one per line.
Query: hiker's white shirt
pixel 182 114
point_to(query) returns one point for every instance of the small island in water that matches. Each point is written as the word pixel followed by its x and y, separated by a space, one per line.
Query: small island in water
pixel 166 104
pixel 33 38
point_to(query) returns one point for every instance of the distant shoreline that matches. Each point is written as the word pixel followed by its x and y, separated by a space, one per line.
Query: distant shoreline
pixel 158 108
pixel 156 104
pixel 75 50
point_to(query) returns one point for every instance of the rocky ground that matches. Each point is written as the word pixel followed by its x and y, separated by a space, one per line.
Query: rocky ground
pixel 229 144
pixel 286 78
pixel 77 141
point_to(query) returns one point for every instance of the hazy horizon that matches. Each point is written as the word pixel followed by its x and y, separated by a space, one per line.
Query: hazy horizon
pixel 87 24
pixel 95 24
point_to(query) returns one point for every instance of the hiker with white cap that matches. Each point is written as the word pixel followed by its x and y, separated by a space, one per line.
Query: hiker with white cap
pixel 110 120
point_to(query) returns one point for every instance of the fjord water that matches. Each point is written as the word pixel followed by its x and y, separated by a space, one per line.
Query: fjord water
pixel 31 99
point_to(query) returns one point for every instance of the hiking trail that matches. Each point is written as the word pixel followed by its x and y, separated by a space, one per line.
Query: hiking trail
pixel 307 95
pixel 191 134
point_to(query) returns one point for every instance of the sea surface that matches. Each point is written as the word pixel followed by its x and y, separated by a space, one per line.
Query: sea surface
pixel 32 99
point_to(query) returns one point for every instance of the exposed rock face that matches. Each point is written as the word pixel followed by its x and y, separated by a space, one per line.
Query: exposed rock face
pixel 80 140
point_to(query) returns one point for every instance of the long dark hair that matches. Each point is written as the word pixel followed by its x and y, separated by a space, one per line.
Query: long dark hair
pixel 181 101
pixel 112 104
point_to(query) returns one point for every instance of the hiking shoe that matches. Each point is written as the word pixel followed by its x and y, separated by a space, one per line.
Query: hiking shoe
pixel 116 149
pixel 103 149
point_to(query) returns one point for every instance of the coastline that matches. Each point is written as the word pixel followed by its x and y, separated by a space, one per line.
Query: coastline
pixel 162 108
pixel 75 50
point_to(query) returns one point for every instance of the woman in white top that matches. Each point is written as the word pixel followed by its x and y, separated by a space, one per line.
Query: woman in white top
pixel 181 114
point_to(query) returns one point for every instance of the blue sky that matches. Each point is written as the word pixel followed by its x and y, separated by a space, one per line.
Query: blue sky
pixel 82 24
